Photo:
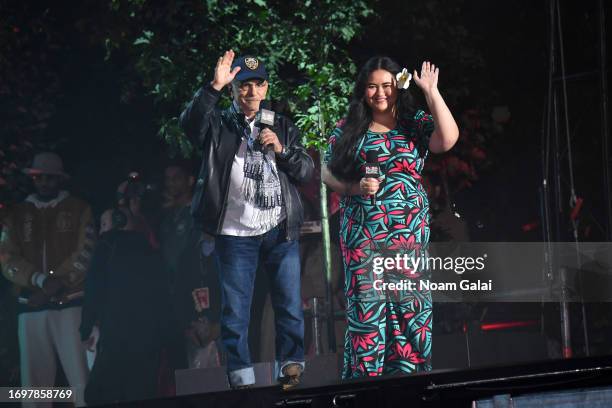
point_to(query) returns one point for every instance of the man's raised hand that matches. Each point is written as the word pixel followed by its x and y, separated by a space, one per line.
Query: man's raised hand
pixel 224 74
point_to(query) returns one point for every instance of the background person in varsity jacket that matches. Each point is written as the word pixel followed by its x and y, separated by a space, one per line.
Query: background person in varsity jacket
pixel 45 249
pixel 246 198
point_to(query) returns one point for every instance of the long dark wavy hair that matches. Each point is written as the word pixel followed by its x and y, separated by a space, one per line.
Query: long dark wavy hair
pixel 342 163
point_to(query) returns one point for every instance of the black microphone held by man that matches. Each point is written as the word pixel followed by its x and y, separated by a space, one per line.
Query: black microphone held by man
pixel 265 120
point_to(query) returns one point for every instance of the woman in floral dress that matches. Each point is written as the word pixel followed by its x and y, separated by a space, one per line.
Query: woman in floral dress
pixel 389 331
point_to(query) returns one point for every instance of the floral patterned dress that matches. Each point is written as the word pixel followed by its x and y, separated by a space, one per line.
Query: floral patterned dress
pixel 388 331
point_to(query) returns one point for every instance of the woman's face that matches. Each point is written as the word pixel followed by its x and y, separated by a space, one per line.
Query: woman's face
pixel 381 92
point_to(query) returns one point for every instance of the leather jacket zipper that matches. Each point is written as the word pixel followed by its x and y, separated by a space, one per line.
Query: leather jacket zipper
pixel 227 187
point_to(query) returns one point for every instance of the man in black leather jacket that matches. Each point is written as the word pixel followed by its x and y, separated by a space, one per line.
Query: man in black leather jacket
pixel 246 199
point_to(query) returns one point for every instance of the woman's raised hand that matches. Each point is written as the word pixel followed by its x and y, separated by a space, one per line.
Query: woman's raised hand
pixel 428 80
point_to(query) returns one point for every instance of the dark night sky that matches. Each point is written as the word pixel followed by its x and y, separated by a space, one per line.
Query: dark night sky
pixel 108 138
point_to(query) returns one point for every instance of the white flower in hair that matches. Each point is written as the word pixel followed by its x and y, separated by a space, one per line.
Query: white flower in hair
pixel 403 79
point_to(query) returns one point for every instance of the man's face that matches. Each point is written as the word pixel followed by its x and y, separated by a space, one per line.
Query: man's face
pixel 249 94
pixel 47 185
pixel 176 182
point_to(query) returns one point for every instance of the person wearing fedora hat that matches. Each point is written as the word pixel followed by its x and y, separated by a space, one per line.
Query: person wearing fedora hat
pixel 45 248
pixel 47 173
pixel 246 198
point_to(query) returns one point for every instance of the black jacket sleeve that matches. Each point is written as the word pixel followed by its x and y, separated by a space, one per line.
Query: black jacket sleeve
pixel 95 288
pixel 200 113
pixel 298 165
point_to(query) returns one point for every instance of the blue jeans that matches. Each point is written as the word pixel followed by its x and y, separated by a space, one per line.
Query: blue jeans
pixel 237 261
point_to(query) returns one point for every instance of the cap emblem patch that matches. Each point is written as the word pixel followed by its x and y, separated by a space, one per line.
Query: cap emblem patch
pixel 251 63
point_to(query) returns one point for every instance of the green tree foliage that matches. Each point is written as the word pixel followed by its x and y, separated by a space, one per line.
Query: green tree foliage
pixel 175 46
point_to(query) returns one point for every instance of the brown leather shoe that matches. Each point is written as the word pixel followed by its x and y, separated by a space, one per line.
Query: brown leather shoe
pixel 291 375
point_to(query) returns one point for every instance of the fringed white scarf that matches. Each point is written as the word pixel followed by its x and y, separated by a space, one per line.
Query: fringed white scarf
pixel 261 184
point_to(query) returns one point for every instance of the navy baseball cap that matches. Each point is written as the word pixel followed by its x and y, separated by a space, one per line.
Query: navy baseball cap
pixel 250 68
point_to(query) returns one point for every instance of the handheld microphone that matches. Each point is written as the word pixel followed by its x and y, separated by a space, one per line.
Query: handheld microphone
pixel 265 119
pixel 372 169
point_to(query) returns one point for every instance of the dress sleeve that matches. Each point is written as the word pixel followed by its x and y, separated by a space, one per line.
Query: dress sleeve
pixel 424 126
